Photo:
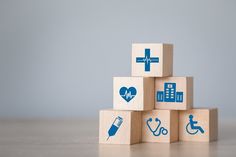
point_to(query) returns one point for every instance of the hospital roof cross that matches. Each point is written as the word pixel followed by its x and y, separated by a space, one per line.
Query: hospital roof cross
pixel 147 60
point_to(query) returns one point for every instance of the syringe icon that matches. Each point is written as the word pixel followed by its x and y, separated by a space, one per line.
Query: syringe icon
pixel 115 126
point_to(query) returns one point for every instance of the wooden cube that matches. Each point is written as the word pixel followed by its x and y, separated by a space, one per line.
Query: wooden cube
pixel 119 127
pixel 152 59
pixel 198 125
pixel 133 93
pixel 160 126
pixel 174 93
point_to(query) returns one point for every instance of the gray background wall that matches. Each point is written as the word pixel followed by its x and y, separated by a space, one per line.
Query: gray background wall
pixel 57 58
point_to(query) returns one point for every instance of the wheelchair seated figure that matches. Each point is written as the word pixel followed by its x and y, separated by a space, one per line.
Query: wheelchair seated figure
pixel 191 128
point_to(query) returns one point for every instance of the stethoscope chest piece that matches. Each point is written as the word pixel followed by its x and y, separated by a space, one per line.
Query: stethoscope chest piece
pixel 158 130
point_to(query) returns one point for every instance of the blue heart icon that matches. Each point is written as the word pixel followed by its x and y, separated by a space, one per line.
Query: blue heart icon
pixel 128 93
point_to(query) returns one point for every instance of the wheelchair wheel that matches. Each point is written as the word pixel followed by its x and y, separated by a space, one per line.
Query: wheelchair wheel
pixel 190 130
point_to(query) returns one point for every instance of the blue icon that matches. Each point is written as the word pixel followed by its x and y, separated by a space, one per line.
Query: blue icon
pixel 169 94
pixel 179 96
pixel 115 126
pixel 147 60
pixel 128 93
pixel 158 130
pixel 191 128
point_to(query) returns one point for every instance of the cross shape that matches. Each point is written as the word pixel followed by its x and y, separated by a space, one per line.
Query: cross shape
pixel 147 60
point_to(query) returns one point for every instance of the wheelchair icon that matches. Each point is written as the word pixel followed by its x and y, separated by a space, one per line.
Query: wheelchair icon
pixel 191 128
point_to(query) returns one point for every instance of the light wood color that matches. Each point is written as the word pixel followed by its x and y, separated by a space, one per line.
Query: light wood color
pixel 207 118
pixel 169 120
pixel 78 137
pixel 129 131
pixel 143 100
pixel 163 51
pixel 183 84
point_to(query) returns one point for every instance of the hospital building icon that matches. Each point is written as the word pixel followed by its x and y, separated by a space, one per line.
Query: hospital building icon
pixel 169 94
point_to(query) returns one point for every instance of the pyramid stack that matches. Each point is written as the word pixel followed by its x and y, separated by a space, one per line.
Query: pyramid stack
pixel 153 105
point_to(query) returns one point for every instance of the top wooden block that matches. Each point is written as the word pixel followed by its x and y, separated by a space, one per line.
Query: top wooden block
pixel 152 59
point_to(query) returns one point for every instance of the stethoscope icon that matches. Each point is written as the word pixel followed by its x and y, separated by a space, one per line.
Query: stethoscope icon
pixel 157 132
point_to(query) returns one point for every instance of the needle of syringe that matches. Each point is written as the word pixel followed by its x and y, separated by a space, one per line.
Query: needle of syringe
pixel 108 137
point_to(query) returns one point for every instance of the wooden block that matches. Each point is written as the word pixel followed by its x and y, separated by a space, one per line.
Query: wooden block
pixel 198 125
pixel 124 127
pixel 174 93
pixel 160 126
pixel 152 59
pixel 133 93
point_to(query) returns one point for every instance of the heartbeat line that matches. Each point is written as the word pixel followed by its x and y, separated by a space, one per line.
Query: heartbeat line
pixel 128 95
pixel 147 60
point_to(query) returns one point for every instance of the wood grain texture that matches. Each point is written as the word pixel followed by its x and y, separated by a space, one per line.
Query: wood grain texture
pixel 183 84
pixel 143 100
pixel 163 51
pixel 78 137
pixel 207 118
pixel 169 120
pixel 129 131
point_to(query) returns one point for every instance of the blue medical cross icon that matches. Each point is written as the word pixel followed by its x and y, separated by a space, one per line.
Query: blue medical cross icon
pixel 147 60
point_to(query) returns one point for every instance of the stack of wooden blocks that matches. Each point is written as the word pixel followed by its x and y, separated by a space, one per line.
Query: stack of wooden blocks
pixel 154 106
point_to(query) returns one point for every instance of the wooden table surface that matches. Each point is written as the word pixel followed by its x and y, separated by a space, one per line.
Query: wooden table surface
pixel 79 137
